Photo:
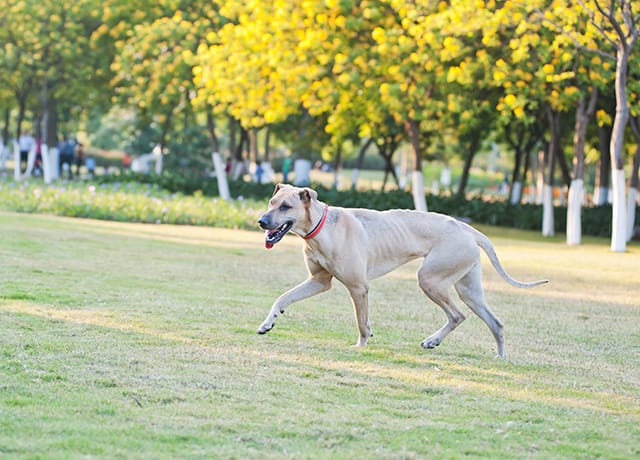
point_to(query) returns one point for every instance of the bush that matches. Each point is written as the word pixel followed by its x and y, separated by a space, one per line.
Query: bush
pixel 180 200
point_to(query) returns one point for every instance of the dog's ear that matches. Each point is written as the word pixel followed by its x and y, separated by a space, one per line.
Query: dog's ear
pixel 278 187
pixel 307 194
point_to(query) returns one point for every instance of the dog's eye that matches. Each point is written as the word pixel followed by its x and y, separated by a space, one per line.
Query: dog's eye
pixel 284 207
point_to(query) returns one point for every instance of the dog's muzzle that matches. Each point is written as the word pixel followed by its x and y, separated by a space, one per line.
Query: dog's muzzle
pixel 273 234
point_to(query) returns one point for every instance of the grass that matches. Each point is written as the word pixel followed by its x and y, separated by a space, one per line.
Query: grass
pixel 137 341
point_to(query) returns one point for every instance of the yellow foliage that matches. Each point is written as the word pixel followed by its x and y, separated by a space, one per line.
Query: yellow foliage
pixel 454 74
pixel 510 99
pixel 603 118
pixel 498 75
pixel 378 34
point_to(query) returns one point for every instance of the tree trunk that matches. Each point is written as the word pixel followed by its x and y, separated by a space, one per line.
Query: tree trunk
pixel 337 168
pixel 634 190
pixel 634 183
pixel 547 192
pixel 464 179
pixel 253 144
pixel 244 138
pixel 356 170
pixel 267 146
pixel 49 140
pixel 4 147
pixel 603 168
pixel 232 136
pixel 5 128
pixel 619 215
pixel 541 161
pixel 584 112
pixel 387 150
pixel 22 102
pixel 211 129
pixel 419 199
pixel 515 190
pixel 561 159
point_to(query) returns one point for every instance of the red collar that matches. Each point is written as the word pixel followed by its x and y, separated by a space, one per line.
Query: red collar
pixel 318 227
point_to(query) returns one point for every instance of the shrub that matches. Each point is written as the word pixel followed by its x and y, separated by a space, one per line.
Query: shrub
pixel 180 200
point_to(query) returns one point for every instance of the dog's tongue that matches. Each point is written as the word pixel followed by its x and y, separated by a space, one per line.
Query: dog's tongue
pixel 266 243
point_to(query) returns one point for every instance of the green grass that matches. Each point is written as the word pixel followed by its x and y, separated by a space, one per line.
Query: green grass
pixel 138 341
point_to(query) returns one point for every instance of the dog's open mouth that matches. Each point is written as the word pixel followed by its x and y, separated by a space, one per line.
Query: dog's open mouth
pixel 271 237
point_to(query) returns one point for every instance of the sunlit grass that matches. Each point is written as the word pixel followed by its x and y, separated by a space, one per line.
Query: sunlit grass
pixel 138 341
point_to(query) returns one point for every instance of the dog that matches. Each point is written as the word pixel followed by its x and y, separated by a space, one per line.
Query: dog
pixel 357 245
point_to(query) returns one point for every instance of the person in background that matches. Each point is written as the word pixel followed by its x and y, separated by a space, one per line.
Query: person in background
pixel 126 162
pixel 67 149
pixel 259 172
pixel 90 163
pixel 286 167
pixel 26 142
pixel 37 164
pixel 79 158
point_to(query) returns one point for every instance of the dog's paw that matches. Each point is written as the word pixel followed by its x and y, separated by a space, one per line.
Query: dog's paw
pixel 265 327
pixel 430 342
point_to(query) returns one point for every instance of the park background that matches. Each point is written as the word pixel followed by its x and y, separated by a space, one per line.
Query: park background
pixel 124 339
pixel 549 87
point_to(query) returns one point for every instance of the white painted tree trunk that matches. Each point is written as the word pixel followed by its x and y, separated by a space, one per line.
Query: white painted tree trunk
pixel 354 178
pixel 540 187
pixel 17 173
pixel 54 163
pixel 600 195
pixel 301 172
pixel 337 179
pixel 574 212
pixel 159 165
pixel 419 200
pixel 547 211
pixel 619 218
pixel 31 162
pixel 4 153
pixel 516 192
pixel 46 163
pixel 223 185
pixel 631 212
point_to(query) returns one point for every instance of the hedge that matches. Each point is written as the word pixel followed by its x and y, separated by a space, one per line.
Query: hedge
pixel 596 220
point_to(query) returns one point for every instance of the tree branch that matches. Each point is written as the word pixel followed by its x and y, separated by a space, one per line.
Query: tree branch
pixel 558 28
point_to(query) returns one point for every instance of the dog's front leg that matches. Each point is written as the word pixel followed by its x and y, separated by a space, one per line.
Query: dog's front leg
pixel 308 288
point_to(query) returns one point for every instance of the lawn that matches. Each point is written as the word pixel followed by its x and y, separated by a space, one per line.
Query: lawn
pixel 138 341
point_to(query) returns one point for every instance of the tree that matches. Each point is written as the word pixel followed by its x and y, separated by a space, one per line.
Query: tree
pixel 48 64
pixel 153 66
pixel 611 32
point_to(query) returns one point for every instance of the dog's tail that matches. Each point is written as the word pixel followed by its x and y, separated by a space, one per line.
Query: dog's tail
pixel 487 247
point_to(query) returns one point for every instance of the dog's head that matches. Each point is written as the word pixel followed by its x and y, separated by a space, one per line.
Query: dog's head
pixel 289 209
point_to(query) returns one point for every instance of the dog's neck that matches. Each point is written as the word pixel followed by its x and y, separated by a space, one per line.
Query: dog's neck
pixel 315 230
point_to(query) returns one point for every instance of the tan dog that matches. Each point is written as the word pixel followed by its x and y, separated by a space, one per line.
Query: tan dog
pixel 358 245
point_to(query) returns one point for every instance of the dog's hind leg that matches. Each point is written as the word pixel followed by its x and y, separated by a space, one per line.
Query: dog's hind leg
pixel 470 290
pixel 436 287
pixel 360 299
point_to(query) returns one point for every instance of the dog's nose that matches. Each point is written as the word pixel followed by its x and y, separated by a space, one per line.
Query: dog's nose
pixel 263 222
